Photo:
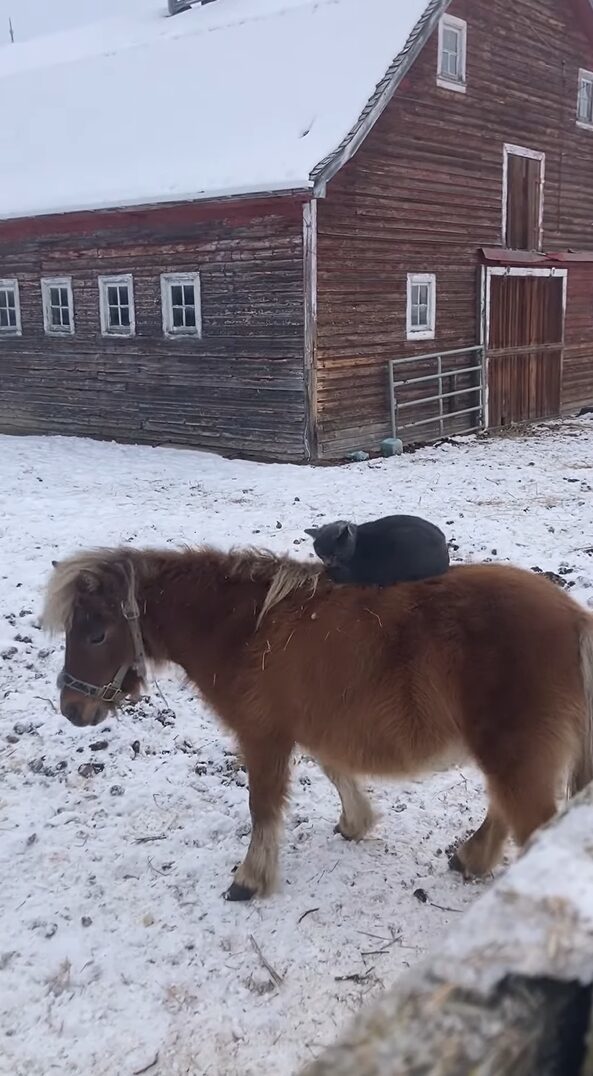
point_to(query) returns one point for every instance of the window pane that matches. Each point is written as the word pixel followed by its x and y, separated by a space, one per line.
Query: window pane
pixel 55 318
pixel 114 321
pixel 420 305
pixel 451 53
pixel 112 295
pixel 12 317
pixel 65 317
pixel 54 296
pixel 190 317
pixel 585 109
pixel 4 324
pixel 176 295
pixel 188 295
pixel 3 300
pixel 450 39
pixel 177 317
pixel 125 316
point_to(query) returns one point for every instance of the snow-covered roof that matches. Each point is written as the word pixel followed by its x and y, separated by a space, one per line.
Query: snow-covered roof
pixel 236 97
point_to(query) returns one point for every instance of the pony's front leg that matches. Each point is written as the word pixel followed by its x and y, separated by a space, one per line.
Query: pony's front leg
pixel 267 767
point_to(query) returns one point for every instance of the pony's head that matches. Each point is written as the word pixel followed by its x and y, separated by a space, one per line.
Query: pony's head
pixel 92 597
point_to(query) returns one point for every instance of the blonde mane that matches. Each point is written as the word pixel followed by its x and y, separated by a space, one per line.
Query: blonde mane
pixel 283 575
pixel 63 587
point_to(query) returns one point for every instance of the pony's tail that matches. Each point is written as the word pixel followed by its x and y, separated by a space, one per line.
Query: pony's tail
pixel 583 770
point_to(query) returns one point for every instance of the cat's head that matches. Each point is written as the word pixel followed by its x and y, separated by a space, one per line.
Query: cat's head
pixel 334 543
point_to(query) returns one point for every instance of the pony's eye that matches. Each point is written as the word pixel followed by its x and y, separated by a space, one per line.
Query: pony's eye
pixel 96 640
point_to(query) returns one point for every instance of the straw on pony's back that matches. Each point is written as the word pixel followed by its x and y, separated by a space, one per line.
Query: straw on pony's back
pixel 486 661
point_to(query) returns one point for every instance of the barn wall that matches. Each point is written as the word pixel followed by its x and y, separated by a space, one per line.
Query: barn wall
pixel 239 389
pixel 577 369
pixel 424 192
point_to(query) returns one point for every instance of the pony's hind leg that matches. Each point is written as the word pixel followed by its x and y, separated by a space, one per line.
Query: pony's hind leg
pixel 267 768
pixel 357 815
pixel 481 852
pixel 520 802
pixel 527 800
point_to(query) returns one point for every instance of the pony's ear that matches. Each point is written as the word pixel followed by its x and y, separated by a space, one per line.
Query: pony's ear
pixel 312 531
pixel 55 563
pixel 87 582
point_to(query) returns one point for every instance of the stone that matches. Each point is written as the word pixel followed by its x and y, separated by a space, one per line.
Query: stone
pixel 392 446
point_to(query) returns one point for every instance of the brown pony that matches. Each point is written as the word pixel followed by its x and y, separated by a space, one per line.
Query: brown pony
pixel 487 662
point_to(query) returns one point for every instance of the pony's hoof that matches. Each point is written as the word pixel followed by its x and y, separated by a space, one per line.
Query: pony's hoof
pixel 346 836
pixel 456 864
pixel 236 891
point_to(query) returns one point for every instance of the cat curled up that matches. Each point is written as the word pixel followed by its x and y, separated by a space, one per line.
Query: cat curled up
pixel 394 549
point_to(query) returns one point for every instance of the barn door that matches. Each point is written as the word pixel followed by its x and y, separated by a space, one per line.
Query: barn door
pixel 523 202
pixel 525 341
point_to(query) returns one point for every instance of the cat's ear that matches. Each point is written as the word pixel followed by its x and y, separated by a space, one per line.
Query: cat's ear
pixel 347 534
pixel 312 531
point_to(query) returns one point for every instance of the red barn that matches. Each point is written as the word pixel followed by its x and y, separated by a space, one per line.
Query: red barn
pixel 287 228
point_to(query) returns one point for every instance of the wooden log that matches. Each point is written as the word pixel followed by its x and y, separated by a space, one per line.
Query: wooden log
pixel 508 993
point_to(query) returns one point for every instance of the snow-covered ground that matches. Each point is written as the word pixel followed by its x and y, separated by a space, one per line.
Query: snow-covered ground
pixel 117 953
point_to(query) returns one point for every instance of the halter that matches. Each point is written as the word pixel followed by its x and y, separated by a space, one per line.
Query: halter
pixel 112 692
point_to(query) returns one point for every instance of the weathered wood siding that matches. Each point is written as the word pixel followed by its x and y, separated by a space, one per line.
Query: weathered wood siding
pixel 424 192
pixel 239 389
pixel 577 369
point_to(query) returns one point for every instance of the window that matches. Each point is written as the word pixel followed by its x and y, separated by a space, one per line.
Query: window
pixel 421 315
pixel 585 99
pixel 452 53
pixel 116 303
pixel 58 306
pixel 522 198
pixel 180 294
pixel 10 308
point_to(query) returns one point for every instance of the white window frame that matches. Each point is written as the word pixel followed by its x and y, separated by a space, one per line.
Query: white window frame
pixel 168 281
pixel 117 280
pixel 509 150
pixel 12 284
pixel 428 333
pixel 57 282
pixel 459 85
pixel 584 76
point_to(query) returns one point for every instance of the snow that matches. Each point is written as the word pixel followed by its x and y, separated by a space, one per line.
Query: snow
pixel 37 18
pixel 115 945
pixel 240 96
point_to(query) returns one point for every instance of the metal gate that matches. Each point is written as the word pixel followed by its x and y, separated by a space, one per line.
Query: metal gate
pixel 442 396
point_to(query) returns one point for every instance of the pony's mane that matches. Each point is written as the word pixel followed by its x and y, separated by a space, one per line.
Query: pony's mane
pixel 282 574
pixel 95 565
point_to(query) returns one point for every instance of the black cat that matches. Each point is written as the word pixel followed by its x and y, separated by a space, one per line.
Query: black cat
pixel 395 549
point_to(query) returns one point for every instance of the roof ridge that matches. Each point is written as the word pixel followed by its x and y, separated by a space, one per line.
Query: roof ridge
pixel 155 31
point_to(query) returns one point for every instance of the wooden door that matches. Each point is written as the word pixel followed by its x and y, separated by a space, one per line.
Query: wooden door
pixel 523 209
pixel 525 342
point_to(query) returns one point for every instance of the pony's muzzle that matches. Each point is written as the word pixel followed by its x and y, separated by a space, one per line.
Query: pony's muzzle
pixel 84 712
pixel 80 711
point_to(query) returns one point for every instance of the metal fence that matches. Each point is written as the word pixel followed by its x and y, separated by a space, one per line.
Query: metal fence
pixel 444 416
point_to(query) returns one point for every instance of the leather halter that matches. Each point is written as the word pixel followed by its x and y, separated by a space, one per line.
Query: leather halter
pixel 112 692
